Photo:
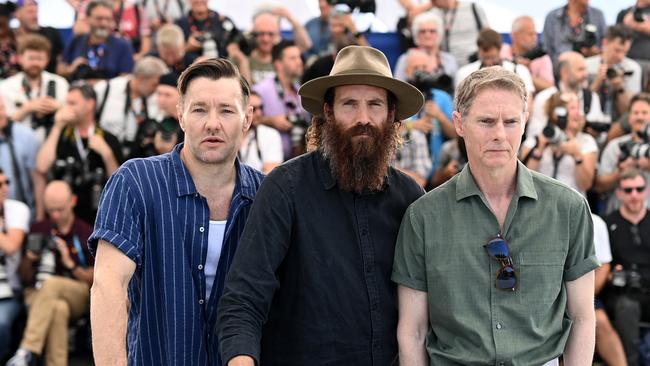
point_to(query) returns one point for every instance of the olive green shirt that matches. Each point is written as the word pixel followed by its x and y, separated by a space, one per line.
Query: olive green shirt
pixel 440 250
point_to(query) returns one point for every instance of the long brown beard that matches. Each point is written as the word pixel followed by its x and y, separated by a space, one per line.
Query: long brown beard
pixel 361 165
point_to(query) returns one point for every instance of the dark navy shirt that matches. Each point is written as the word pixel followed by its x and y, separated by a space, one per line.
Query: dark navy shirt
pixel 310 283
pixel 152 212
pixel 114 57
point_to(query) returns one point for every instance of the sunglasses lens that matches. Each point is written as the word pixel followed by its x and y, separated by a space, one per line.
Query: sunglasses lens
pixel 498 249
pixel 506 278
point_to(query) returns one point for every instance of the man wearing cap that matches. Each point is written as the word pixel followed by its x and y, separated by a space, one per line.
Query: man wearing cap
pixel 486 275
pixel 310 282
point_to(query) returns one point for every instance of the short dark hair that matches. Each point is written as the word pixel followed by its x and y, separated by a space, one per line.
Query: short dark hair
pixel 213 69
pixel 277 52
pixel 98 3
pixel 640 97
pixel 630 173
pixel 33 42
pixel 489 38
pixel 86 90
pixel 619 31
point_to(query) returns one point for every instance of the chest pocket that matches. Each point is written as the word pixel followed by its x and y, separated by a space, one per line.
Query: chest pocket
pixel 540 279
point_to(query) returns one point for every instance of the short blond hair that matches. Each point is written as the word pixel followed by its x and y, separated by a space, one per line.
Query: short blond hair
pixel 170 35
pixel 494 77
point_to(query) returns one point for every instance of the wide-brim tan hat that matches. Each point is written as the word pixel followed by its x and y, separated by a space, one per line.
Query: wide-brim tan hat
pixel 360 65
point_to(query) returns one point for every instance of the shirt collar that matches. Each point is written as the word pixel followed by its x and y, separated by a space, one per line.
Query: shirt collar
pixel 185 184
pixel 466 186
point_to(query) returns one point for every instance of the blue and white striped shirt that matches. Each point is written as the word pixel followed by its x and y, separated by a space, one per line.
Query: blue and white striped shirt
pixel 152 212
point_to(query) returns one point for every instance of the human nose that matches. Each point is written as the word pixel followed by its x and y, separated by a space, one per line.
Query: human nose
pixel 213 122
pixel 499 131
pixel 363 115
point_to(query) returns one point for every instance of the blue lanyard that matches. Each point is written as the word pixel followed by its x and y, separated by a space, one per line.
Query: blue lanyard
pixel 80 252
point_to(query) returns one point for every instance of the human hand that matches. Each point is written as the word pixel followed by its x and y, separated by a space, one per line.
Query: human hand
pixel 99 145
pixel 64 116
pixel 280 123
pixel 64 252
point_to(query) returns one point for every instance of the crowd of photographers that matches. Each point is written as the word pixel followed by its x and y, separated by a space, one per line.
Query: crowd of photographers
pixel 72 112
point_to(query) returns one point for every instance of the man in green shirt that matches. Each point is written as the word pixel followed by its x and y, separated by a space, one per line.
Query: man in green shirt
pixel 496 265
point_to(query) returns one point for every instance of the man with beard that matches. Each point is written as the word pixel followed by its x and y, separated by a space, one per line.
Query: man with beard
pixel 33 95
pixel 99 50
pixel 310 283
pixel 27 15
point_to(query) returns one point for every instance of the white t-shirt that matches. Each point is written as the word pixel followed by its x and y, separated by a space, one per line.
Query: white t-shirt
pixel 116 118
pixel 215 243
pixel 601 240
pixel 632 82
pixel 261 145
pixel 16 216
pixel 566 168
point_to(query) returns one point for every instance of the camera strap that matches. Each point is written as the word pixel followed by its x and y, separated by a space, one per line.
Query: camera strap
pixel 20 189
pixel 290 106
pixel 556 163
pixel 81 149
pixel 253 139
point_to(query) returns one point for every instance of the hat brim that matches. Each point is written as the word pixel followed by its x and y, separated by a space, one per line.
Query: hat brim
pixel 409 98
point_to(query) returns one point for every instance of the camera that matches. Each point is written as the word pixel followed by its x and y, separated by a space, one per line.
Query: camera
pixel 585 39
pixel 535 53
pixel 630 279
pixel 77 175
pixel 554 134
pixel 613 72
pixel 37 242
pixel 425 81
pixel 635 150
pixel 638 15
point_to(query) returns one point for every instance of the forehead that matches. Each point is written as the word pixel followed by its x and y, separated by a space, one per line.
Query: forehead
pixel 429 24
pixel 493 101
pixel 636 181
pixel 205 90
pixel 101 10
pixel 266 22
pixel 359 92
pixel 33 52
pixel 640 105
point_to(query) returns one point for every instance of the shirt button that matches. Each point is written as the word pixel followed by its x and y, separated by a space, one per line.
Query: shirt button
pixel 502 363
pixel 200 267
pixel 201 302
pixel 498 325
pixel 201 229
pixel 364 232
pixel 373 307
pixel 368 268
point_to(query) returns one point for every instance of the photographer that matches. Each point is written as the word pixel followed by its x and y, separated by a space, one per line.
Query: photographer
pixel 207 32
pixel 526 51
pixel 170 47
pixel 618 154
pixel 279 93
pixel 615 77
pixel 261 146
pixel 57 271
pixel 79 151
pixel 627 295
pixel 434 120
pixel 33 95
pixel 562 150
pixel 574 27
pixel 637 18
pixel 14 224
pixel 427 34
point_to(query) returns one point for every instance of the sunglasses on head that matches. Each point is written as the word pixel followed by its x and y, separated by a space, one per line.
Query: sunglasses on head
pixel 498 249
pixel 629 190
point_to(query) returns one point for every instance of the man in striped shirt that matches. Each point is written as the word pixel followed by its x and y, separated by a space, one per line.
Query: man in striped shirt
pixel 167 230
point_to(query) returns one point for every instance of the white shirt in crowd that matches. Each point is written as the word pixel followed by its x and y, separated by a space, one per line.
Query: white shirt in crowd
pixel 261 145
pixel 16 216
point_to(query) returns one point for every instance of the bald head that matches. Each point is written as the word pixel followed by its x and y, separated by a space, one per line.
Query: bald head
pixel 417 60
pixel 573 69
pixel 59 202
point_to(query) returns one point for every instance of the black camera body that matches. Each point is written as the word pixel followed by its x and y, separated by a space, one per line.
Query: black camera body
pixel 37 242
pixel 638 15
pixel 613 72
pixel 629 279
pixel 585 39
pixel 535 53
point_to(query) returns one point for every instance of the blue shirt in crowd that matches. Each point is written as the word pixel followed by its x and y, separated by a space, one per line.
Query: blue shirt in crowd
pixel 152 212
pixel 114 57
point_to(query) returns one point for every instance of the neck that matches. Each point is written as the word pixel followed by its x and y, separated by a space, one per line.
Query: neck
pixel 261 56
pixel 633 217
pixel 565 87
pixel 133 83
pixel 431 51
pixel 496 184
pixel 65 226
pixel 285 82
pixel 209 177
pixel 85 125
pixel 94 40
pixel 517 49
pixel 200 14
pixel 34 81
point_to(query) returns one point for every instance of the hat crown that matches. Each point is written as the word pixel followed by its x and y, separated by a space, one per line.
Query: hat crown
pixel 361 60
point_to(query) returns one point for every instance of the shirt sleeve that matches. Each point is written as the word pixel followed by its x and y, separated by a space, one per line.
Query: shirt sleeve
pixel 119 218
pixel 581 257
pixel 609 158
pixel 17 216
pixel 409 264
pixel 252 279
